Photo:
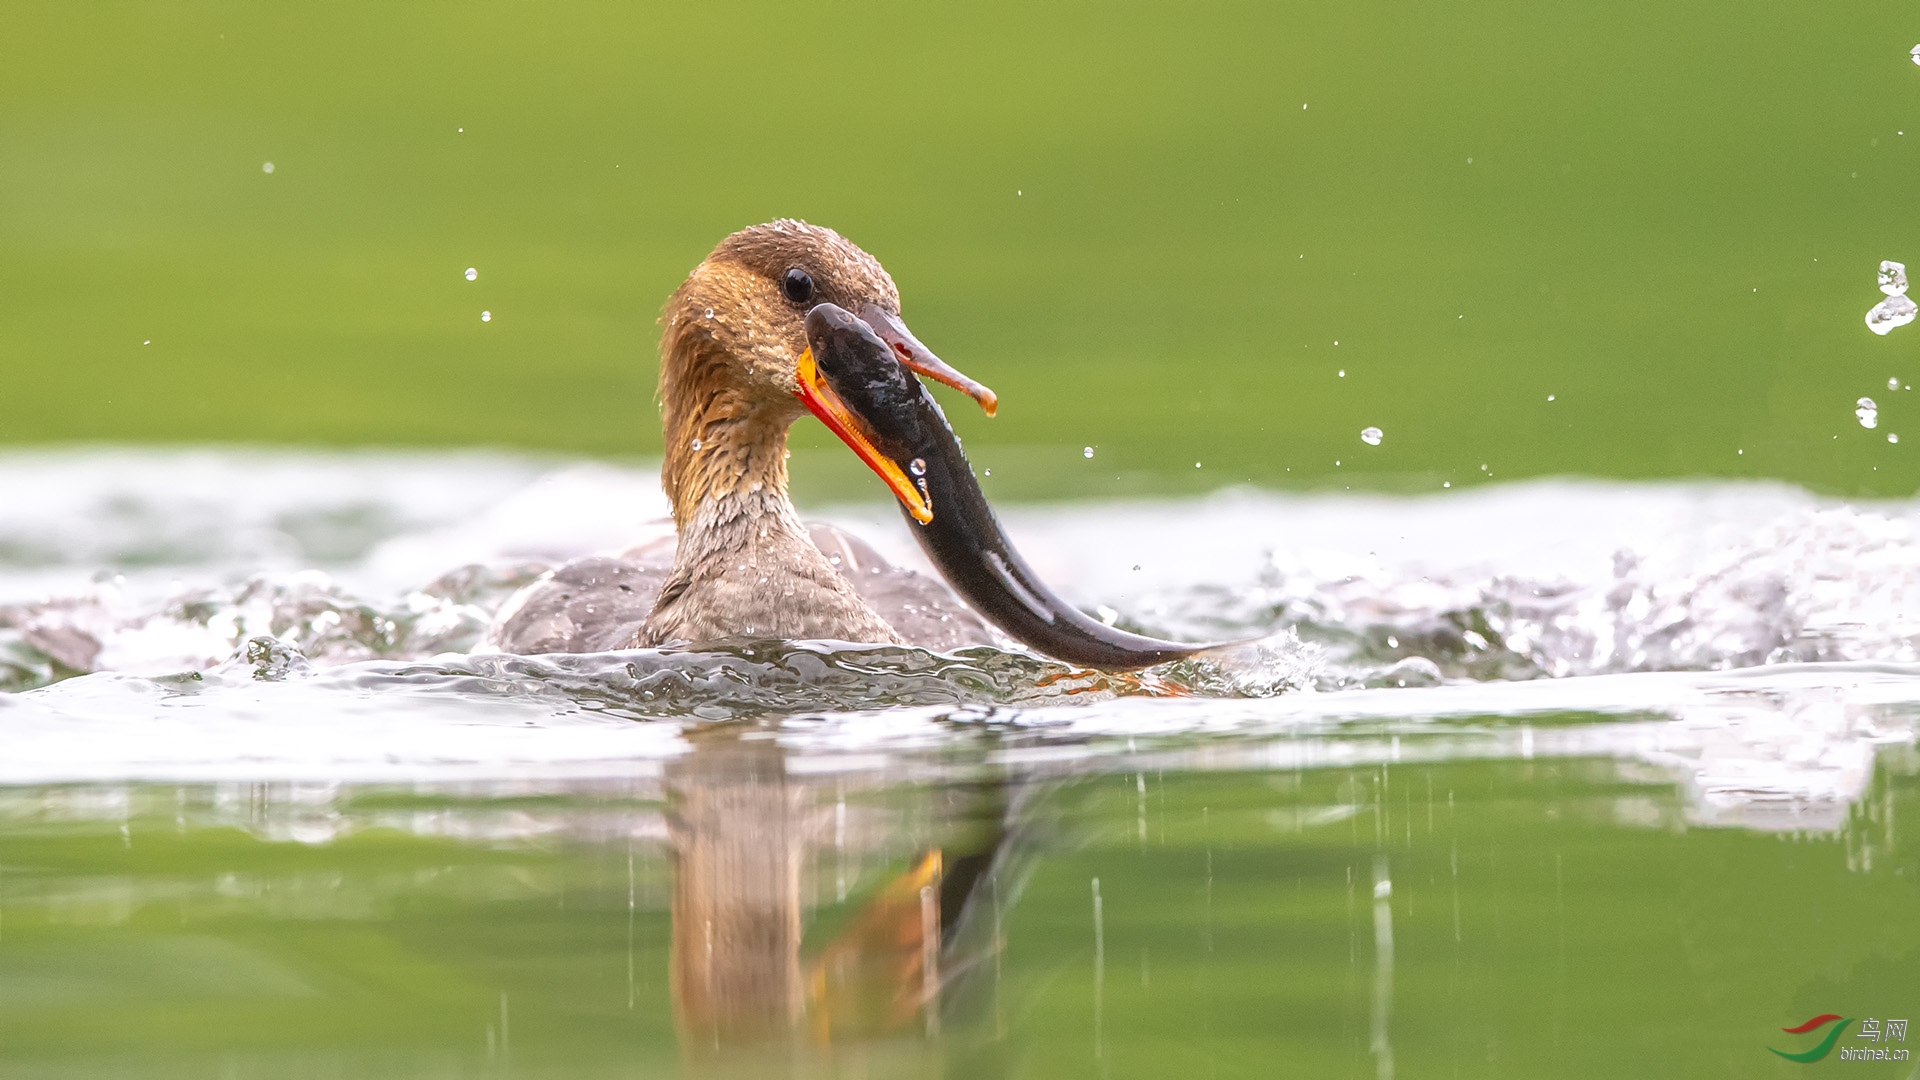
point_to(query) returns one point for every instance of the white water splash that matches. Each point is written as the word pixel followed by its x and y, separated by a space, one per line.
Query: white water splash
pixel 1896 310
pixel 171 559
pixel 1893 278
pixel 149 564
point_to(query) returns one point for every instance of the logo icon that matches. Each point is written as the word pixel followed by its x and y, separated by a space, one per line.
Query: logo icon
pixel 1825 1045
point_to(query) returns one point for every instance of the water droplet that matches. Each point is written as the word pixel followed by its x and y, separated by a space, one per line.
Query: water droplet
pixel 1893 278
pixel 1343 371
pixel 1549 397
pixel 1916 54
pixel 1893 384
pixel 149 341
pixel 1372 436
pixel 267 167
pixel 1891 312
pixel 486 316
pixel 696 444
pixel 1446 483
pixel 709 313
pixel 472 274
pixel 1867 413
pixel 1086 452
pixel 1891 437
pixel 918 466
pixel 989 472
pixel 1196 464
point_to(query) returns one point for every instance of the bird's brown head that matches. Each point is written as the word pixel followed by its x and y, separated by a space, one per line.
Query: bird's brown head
pixel 733 337
pixel 740 316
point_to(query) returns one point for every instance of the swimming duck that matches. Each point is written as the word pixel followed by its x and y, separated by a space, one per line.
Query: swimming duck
pixel 783 319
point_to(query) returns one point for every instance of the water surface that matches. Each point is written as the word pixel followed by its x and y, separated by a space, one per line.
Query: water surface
pixel 1557 778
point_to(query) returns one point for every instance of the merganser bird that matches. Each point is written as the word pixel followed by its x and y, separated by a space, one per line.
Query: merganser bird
pixel 782 319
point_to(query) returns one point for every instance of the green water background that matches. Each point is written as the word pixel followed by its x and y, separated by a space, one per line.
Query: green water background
pixel 1145 225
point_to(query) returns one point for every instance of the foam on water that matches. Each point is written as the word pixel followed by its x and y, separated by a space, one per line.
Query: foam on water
pixel 266 614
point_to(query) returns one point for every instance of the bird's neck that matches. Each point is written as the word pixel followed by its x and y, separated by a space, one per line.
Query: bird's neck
pixel 723 448
pixel 726 453
pixel 745 565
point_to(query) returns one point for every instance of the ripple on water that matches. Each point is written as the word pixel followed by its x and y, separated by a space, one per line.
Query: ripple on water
pixel 752 680
pixel 1342 592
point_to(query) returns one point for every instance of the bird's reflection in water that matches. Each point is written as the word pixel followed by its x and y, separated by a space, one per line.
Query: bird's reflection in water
pixel 752 994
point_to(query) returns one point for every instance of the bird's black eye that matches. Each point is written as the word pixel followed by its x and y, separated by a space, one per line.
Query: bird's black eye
pixel 798 285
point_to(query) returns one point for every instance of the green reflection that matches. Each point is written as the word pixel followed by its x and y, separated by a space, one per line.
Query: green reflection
pixel 1483 918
